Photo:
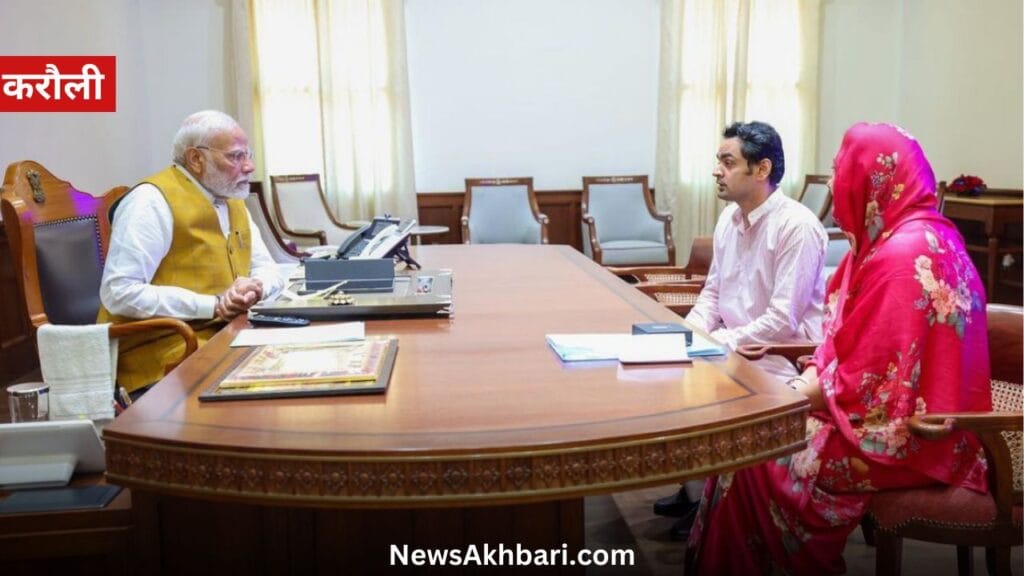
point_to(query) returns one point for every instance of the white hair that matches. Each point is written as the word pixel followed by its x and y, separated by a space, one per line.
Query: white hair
pixel 198 130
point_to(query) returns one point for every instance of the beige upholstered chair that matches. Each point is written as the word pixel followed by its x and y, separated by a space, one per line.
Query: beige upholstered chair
pixel 817 196
pixel 280 250
pixel 621 226
pixel 838 246
pixel 303 214
pixel 502 211
pixel 695 271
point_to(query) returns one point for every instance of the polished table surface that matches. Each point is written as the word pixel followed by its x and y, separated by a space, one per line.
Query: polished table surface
pixel 480 411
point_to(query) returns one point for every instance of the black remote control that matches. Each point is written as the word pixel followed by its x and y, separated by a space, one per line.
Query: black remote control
pixel 277 321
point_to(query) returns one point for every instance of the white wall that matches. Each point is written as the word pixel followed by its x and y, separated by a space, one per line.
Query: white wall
pixel 949 71
pixel 554 90
pixel 170 62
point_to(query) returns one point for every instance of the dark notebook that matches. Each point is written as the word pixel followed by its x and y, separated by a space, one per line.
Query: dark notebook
pixel 51 499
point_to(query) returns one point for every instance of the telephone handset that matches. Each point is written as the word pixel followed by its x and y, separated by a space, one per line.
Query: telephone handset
pixel 382 238
pixel 379 245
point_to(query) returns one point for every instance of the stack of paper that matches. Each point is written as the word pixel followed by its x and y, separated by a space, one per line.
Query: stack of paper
pixel 628 348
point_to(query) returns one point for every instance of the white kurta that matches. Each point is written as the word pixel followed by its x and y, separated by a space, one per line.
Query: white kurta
pixel 765 284
pixel 141 235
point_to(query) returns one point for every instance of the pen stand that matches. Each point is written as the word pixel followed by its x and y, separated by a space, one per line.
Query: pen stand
pixel 373 275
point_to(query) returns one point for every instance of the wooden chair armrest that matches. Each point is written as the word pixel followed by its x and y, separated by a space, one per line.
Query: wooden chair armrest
pixel 640 273
pixel 937 426
pixel 662 216
pixel 318 235
pixel 464 223
pixel 988 427
pixel 156 325
pixel 792 352
pixel 595 244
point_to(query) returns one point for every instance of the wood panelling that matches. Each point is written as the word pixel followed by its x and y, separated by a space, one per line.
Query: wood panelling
pixel 441 209
pixel 562 208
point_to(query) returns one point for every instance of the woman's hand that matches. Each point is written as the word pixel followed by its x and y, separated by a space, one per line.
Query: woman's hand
pixel 808 385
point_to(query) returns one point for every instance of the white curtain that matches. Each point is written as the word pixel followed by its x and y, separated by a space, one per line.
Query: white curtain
pixel 724 61
pixel 331 97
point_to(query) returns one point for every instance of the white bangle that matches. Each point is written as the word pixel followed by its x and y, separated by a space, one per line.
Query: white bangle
pixel 805 381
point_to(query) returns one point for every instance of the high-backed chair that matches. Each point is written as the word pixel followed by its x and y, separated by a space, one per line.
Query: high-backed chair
pixel 502 211
pixel 303 214
pixel 959 516
pixel 621 226
pixel 695 271
pixel 817 196
pixel 280 250
pixel 58 237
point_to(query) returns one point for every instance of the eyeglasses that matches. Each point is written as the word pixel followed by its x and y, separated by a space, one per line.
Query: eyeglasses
pixel 235 157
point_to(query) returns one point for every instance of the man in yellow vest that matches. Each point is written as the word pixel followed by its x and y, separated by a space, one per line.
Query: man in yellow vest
pixel 184 246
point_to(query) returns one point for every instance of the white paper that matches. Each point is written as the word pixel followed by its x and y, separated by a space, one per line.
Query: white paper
pixel 654 349
pixel 339 332
pixel 580 347
pixel 583 347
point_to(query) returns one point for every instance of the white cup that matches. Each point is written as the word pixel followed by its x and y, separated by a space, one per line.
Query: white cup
pixel 29 401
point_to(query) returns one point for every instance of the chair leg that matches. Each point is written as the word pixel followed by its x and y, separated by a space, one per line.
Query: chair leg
pixel 964 561
pixel 867 528
pixel 888 553
pixel 997 560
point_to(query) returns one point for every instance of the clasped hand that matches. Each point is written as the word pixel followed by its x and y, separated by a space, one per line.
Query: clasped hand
pixel 238 298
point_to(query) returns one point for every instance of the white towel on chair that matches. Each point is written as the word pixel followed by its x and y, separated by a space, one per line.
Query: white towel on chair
pixel 79 364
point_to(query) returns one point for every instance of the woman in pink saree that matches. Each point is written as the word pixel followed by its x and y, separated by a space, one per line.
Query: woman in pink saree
pixel 905 333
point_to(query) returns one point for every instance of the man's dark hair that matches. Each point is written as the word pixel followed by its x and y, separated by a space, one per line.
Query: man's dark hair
pixel 759 141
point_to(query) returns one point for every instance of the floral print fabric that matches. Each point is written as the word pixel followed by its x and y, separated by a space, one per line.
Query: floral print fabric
pixel 905 333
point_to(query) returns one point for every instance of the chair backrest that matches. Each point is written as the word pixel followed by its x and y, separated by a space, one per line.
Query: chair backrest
pixel 280 251
pixel 622 208
pixel 1005 343
pixel 837 247
pixel 816 195
pixel 701 252
pixel 58 238
pixel 300 205
pixel 502 210
pixel 940 196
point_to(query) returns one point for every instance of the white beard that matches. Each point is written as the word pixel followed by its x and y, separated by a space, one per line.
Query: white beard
pixel 221 186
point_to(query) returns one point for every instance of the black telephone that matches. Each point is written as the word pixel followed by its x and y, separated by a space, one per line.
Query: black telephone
pixel 384 237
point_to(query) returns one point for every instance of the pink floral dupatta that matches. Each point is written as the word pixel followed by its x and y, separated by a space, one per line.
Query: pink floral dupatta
pixel 905 327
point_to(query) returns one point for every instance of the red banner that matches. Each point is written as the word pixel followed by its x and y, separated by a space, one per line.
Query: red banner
pixel 58 83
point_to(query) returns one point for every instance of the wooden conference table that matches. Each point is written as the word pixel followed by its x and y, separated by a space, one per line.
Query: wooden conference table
pixel 483 436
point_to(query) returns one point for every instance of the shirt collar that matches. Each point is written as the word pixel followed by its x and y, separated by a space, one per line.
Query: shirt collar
pixel 772 203
pixel 209 196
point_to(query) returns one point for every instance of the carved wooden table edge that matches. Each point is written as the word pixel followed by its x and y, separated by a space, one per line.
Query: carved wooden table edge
pixel 505 477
